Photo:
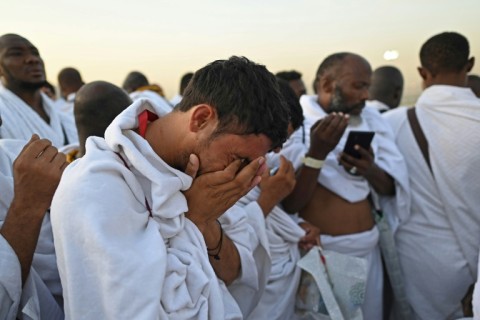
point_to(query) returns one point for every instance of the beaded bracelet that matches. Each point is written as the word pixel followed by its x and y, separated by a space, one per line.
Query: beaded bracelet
pixel 218 248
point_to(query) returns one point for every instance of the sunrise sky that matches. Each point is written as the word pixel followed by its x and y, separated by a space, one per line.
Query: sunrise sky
pixel 106 39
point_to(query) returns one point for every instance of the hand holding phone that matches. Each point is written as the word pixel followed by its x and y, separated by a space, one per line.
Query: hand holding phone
pixel 361 138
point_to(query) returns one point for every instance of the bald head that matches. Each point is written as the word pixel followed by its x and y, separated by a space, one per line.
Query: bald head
pixel 69 80
pixel 474 84
pixel 387 86
pixel 134 81
pixel 96 105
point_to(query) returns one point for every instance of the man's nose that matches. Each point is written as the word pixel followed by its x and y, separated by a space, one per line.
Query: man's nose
pixel 365 94
pixel 33 58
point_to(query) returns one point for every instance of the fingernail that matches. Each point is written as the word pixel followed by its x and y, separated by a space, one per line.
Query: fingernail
pixel 261 161
pixel 190 159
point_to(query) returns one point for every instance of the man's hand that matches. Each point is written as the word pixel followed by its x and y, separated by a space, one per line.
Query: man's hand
pixel 275 188
pixel 364 165
pixel 326 133
pixel 36 173
pixel 311 237
pixel 211 194
pixel 381 181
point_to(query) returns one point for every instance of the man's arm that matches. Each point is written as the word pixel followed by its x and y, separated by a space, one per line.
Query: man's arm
pixel 37 171
pixel 208 198
pixel 324 136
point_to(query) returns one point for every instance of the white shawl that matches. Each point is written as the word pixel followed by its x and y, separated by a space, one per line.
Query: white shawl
pixel 442 233
pixel 20 121
pixel 115 261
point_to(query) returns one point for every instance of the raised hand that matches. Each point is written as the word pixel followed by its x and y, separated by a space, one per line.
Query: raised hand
pixel 211 194
pixel 326 133
pixel 276 187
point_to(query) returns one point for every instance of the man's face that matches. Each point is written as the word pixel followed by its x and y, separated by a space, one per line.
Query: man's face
pixel 21 64
pixel 221 150
pixel 298 87
pixel 351 88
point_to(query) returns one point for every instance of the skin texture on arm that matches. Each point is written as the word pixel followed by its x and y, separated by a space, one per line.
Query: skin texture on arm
pixel 37 171
pixel 210 195
pixel 324 136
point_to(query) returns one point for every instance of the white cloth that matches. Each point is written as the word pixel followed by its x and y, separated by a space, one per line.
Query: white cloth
pixel 36 300
pixel 380 106
pixel 115 261
pixel 161 104
pixel 363 245
pixel 20 121
pixel 66 106
pixel 176 100
pixel 282 235
pixel 438 245
pixel 248 234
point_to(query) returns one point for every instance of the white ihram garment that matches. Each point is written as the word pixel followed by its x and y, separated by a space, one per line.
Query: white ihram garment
pixel 20 121
pixel 115 261
pixel 438 245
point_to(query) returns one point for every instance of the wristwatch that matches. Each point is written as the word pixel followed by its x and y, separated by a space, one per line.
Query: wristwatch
pixel 312 162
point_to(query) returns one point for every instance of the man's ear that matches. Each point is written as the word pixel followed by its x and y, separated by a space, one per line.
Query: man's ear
pixel 423 73
pixel 202 116
pixel 470 64
pixel 326 84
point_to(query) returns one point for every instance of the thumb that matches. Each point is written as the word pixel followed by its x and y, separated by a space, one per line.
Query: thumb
pixel 192 166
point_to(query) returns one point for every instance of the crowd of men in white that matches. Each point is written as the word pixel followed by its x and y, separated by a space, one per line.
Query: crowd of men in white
pixel 118 204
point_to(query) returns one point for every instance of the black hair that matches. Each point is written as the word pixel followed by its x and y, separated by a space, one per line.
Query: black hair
pixel 291 99
pixel 445 52
pixel 70 77
pixel 245 95
pixel 184 82
pixel 134 80
pixel 330 62
pixel 289 75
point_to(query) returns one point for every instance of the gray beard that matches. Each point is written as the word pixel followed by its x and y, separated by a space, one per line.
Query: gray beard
pixel 355 121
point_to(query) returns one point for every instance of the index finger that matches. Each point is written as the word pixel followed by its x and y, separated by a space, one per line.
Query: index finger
pixel 252 172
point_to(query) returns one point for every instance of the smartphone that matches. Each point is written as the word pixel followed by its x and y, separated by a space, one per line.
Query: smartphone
pixel 362 138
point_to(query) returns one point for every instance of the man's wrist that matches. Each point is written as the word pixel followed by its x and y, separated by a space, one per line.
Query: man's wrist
pixel 312 162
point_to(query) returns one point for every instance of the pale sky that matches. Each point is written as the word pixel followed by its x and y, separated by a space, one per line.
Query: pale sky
pixel 106 39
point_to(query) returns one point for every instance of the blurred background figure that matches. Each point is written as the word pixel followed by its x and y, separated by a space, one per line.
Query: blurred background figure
pixel 69 82
pixel 474 84
pixel 137 86
pixel 294 79
pixel 386 90
pixel 183 84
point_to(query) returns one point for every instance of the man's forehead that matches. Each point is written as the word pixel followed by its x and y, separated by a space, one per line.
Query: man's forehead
pixel 13 41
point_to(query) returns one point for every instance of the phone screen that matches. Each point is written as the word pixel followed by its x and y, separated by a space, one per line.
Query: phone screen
pixel 362 138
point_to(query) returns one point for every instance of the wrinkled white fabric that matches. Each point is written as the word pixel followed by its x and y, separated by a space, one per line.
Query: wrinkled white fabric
pixel 115 261
pixel 36 300
pixel 380 106
pixel 162 105
pixel 438 245
pixel 363 245
pixel 20 121
pixel 282 235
